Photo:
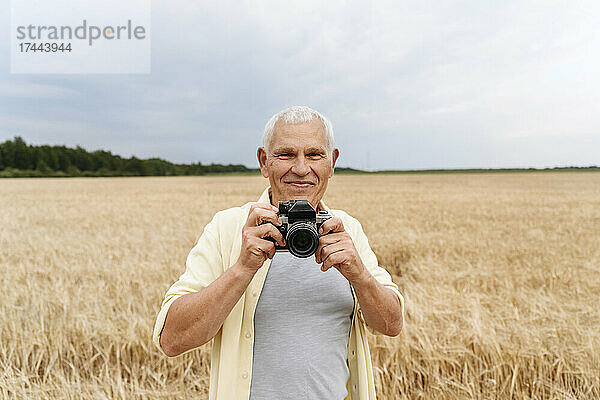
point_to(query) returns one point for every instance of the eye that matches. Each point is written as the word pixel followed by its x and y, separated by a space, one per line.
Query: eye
pixel 284 155
pixel 315 156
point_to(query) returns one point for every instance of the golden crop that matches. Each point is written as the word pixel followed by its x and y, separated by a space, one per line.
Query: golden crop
pixel 501 275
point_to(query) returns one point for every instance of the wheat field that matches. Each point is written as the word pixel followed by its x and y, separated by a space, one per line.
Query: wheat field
pixel 501 275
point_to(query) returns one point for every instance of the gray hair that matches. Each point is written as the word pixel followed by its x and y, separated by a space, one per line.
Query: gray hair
pixel 298 115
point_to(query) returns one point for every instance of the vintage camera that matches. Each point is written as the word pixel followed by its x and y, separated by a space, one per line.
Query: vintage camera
pixel 300 227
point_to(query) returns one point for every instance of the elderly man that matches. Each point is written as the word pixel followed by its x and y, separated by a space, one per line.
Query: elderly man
pixel 283 327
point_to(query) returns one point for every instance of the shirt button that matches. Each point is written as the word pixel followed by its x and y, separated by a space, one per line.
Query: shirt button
pixel 354 387
pixel 245 375
pixel 248 335
pixel 254 294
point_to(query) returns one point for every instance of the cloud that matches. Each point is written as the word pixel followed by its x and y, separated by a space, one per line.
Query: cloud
pixel 406 85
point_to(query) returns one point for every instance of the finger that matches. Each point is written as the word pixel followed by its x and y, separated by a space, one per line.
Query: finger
pixel 262 247
pixel 334 224
pixel 326 241
pixel 331 249
pixel 271 251
pixel 267 230
pixel 334 257
pixel 260 215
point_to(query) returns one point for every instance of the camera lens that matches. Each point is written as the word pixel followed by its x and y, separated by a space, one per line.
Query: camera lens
pixel 302 239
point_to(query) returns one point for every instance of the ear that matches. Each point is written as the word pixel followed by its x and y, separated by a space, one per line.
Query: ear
pixel 261 154
pixel 334 157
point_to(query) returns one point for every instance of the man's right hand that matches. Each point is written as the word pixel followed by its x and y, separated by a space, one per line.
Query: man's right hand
pixel 255 248
pixel 195 318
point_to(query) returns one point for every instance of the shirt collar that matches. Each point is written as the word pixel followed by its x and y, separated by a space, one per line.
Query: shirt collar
pixel 264 198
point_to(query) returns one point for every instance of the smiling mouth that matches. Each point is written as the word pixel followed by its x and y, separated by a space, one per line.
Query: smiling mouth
pixel 301 185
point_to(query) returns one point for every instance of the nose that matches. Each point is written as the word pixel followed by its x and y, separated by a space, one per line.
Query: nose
pixel 300 167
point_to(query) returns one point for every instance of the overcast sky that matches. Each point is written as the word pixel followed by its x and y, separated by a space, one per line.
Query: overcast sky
pixel 406 84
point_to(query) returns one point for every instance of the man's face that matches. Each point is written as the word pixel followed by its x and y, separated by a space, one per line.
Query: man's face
pixel 297 165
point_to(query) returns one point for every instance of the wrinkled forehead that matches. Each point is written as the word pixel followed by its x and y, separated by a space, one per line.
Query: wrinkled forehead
pixel 310 133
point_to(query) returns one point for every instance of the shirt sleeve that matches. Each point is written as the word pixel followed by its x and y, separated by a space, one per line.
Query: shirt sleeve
pixel 382 276
pixel 203 265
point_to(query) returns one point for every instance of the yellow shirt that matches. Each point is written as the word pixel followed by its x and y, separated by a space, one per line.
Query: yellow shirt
pixel 231 358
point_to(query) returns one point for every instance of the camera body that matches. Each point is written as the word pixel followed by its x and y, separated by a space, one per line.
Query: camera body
pixel 300 225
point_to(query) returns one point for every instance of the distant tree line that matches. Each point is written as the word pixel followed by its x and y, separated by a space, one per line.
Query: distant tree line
pixel 18 159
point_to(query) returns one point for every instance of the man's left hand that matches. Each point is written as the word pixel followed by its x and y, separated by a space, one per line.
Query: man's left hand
pixel 337 250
